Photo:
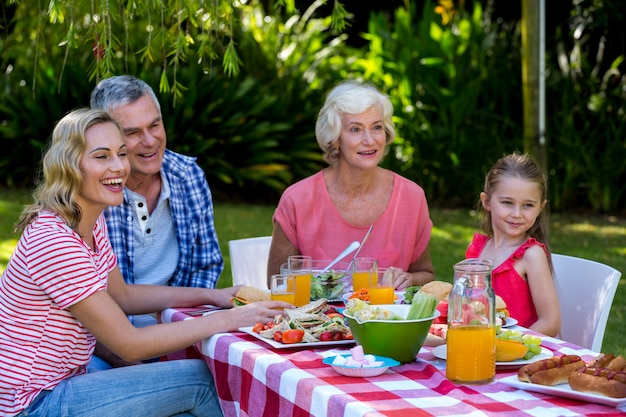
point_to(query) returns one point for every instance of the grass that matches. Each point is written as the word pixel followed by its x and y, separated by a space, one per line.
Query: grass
pixel 601 238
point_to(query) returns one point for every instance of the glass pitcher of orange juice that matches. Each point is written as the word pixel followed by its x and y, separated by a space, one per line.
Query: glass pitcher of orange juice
pixel 471 344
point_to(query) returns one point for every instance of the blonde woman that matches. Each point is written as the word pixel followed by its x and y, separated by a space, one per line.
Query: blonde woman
pixel 62 289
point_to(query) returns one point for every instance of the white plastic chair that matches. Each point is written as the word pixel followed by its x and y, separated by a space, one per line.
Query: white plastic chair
pixel 586 289
pixel 248 260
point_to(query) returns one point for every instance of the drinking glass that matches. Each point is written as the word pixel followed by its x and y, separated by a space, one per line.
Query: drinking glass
pixel 300 266
pixel 364 273
pixel 382 291
pixel 283 288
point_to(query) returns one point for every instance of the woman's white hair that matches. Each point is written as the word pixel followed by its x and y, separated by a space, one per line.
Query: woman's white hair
pixel 349 97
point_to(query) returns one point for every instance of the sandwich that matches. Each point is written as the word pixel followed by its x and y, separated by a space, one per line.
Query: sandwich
pixel 438 289
pixel 247 295
pixel 309 315
pixel 501 310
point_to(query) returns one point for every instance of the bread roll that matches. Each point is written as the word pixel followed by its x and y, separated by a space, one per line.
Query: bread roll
pixel 438 289
pixel 601 381
pixel 551 371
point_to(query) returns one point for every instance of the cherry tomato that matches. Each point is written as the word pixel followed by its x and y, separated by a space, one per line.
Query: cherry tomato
pixel 293 336
pixel 278 336
pixel 326 337
pixel 336 336
pixel 258 327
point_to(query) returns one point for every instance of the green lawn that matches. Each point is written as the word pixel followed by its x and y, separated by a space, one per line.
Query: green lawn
pixel 601 238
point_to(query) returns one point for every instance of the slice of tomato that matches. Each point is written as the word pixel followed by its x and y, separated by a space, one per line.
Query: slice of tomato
pixel 278 336
pixel 331 315
pixel 258 327
pixel 292 336
pixel 326 337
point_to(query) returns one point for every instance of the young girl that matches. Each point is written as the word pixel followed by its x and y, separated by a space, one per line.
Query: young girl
pixel 514 220
pixel 62 289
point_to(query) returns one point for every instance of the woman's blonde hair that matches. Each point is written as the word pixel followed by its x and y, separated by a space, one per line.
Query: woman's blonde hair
pixel 61 178
pixel 349 97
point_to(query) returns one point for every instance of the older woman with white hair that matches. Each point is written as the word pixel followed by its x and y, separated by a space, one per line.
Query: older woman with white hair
pixel 320 215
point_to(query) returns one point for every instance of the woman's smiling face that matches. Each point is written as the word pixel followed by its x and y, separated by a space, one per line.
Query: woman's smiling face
pixel 362 139
pixel 104 166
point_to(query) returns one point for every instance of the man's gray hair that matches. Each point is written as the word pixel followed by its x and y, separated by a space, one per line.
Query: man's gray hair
pixel 120 90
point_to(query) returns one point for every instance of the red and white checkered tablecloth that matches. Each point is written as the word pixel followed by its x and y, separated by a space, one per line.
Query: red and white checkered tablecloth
pixel 253 379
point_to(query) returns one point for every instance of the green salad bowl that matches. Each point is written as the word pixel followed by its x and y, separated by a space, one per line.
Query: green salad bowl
pixel 397 339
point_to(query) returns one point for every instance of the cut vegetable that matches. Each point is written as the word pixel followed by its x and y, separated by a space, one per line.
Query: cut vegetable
pixel 423 306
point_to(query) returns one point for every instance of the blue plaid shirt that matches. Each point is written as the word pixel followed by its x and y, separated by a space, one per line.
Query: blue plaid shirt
pixel 200 261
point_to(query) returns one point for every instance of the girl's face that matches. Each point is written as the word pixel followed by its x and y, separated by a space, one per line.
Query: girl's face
pixel 362 139
pixel 514 205
pixel 104 166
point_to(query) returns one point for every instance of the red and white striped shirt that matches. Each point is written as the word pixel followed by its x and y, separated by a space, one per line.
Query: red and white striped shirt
pixel 41 342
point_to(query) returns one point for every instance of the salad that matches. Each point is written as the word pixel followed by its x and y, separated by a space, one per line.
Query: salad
pixel 330 285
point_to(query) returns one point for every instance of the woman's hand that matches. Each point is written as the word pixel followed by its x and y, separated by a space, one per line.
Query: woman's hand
pixel 403 279
pixel 223 297
pixel 253 313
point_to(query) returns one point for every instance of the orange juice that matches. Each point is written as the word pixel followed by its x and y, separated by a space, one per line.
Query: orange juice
pixel 303 288
pixel 288 297
pixel 360 279
pixel 381 295
pixel 471 354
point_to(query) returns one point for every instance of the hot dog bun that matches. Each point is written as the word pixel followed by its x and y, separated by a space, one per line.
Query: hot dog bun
pixel 600 381
pixel 551 371
pixel 609 361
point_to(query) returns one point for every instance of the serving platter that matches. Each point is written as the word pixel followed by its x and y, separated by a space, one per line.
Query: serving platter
pixel 441 352
pixel 565 391
pixel 279 345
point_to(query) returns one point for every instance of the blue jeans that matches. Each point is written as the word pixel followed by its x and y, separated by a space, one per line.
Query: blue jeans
pixel 174 388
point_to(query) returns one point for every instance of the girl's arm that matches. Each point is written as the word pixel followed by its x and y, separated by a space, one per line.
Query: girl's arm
pixel 104 318
pixel 543 292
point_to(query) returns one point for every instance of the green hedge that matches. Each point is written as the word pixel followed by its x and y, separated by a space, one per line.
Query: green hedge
pixel 456 90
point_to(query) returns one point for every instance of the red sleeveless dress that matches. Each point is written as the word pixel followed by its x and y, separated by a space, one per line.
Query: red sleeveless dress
pixel 507 282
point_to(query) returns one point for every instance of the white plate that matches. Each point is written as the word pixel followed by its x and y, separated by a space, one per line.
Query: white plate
pixel 442 353
pixel 564 390
pixel 365 372
pixel 509 322
pixel 278 345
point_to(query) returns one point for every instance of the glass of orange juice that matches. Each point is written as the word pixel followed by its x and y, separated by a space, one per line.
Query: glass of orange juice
pixel 381 292
pixel 364 273
pixel 300 267
pixel 283 288
pixel 480 366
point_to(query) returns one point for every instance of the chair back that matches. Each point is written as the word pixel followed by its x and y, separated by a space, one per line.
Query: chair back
pixel 586 289
pixel 248 260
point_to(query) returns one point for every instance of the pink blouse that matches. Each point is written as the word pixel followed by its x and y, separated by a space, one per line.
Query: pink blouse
pixel 507 282
pixel 313 225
